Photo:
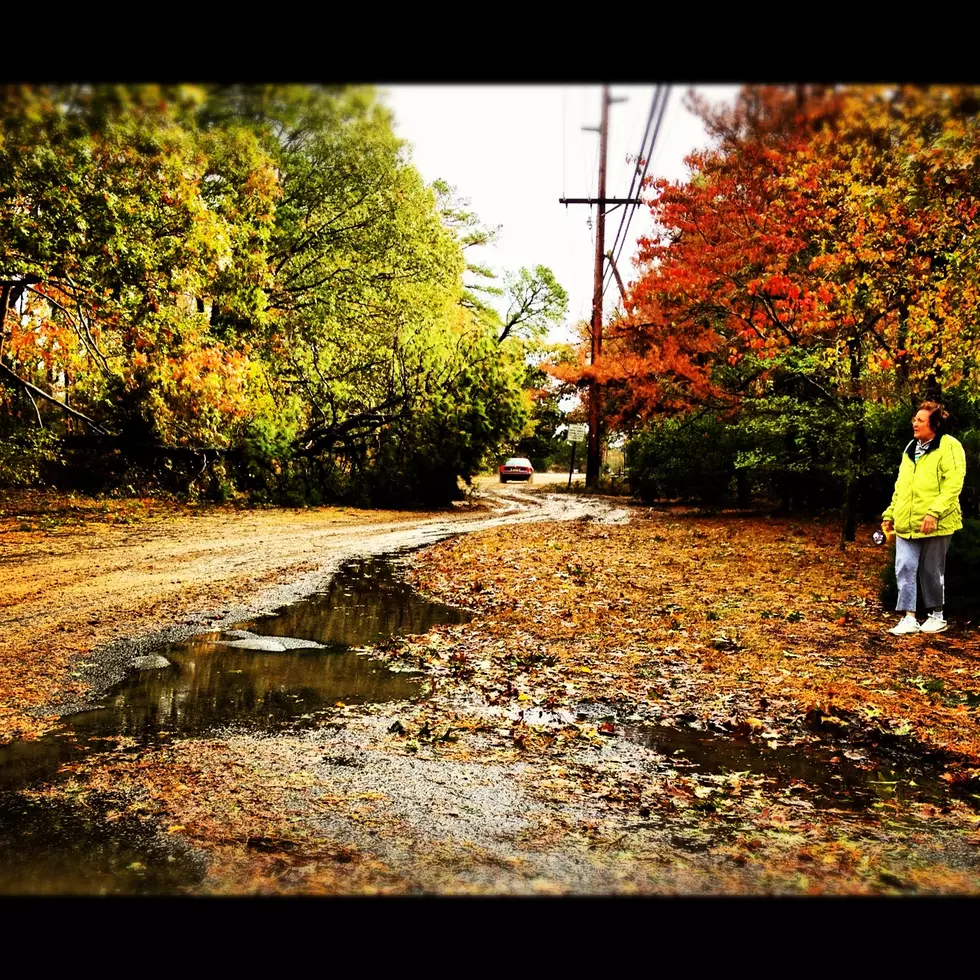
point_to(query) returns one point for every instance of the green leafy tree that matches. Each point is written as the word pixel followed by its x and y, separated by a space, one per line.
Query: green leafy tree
pixel 106 236
pixel 245 286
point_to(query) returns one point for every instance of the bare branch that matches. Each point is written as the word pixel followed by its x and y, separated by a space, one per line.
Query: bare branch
pixel 33 389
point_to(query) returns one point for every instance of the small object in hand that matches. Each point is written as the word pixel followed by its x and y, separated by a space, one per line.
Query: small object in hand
pixel 878 537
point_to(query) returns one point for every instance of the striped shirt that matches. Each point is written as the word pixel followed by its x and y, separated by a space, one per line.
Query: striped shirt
pixel 921 447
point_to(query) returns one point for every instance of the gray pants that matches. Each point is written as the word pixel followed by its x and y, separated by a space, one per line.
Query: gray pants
pixel 925 559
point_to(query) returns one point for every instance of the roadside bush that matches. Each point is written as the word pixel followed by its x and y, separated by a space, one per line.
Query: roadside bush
pixel 785 452
pixel 27 456
pixel 689 458
pixel 970 497
pixel 888 431
pixel 615 485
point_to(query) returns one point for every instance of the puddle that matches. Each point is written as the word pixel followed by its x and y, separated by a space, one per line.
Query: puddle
pixel 823 776
pixel 813 775
pixel 211 681
pixel 56 848
pixel 216 680
pixel 365 602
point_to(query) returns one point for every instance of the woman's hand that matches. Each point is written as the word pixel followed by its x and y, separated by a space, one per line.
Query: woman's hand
pixel 888 526
pixel 929 524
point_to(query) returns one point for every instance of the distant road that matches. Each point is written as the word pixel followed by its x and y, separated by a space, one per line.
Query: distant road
pixel 539 478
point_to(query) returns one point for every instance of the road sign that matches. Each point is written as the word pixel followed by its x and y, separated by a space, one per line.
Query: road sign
pixel 576 432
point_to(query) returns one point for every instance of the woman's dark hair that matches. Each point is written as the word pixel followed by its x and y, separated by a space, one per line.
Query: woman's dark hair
pixel 938 416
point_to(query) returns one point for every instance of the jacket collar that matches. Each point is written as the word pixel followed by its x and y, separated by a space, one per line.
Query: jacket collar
pixel 910 448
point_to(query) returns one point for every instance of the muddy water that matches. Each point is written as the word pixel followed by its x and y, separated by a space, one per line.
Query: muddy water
pixel 207 684
pixel 824 776
pixel 211 684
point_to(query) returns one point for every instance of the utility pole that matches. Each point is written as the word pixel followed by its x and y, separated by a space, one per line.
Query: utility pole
pixel 593 460
pixel 593 455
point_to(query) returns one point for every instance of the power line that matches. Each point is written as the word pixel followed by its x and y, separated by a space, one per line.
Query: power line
pixel 664 93
pixel 643 143
pixel 648 157
pixel 564 140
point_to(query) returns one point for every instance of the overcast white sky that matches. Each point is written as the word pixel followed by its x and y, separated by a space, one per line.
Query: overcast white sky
pixel 514 150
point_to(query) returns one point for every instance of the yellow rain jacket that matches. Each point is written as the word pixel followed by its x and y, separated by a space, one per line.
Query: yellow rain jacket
pixel 930 486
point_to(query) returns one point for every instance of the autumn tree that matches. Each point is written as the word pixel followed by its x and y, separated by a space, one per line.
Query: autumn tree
pixel 804 272
pixel 106 236
pixel 371 328
pixel 246 286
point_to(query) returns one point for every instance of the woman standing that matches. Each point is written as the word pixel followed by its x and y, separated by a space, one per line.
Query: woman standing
pixel 924 513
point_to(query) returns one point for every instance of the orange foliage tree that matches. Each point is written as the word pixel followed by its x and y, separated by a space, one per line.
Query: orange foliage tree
pixel 819 258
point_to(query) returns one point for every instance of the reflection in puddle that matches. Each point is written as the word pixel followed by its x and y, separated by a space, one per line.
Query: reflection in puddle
pixel 210 681
pixel 822 775
pixel 50 847
pixel 365 602
pixel 210 684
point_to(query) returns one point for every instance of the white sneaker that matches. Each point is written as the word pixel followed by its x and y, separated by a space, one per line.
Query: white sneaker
pixel 905 625
pixel 934 624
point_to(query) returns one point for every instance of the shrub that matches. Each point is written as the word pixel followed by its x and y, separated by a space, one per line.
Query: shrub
pixel 689 459
pixel 27 456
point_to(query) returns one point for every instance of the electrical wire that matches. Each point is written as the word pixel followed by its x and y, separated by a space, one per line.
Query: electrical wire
pixel 663 93
pixel 564 140
pixel 643 143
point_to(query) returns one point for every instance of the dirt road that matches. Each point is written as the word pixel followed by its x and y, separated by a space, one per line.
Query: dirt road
pixel 69 588
pixel 81 596
pixel 643 704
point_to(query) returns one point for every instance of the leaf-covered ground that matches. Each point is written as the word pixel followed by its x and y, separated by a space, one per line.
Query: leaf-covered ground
pixel 751 625
pixel 678 704
pixel 767 640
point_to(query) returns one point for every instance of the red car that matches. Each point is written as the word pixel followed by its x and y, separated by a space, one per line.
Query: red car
pixel 517 468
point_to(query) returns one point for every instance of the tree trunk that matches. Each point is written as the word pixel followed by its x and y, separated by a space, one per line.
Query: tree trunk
pixel 788 477
pixel 859 453
pixel 34 390
pixel 859 449
pixel 743 489
pixel 4 304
